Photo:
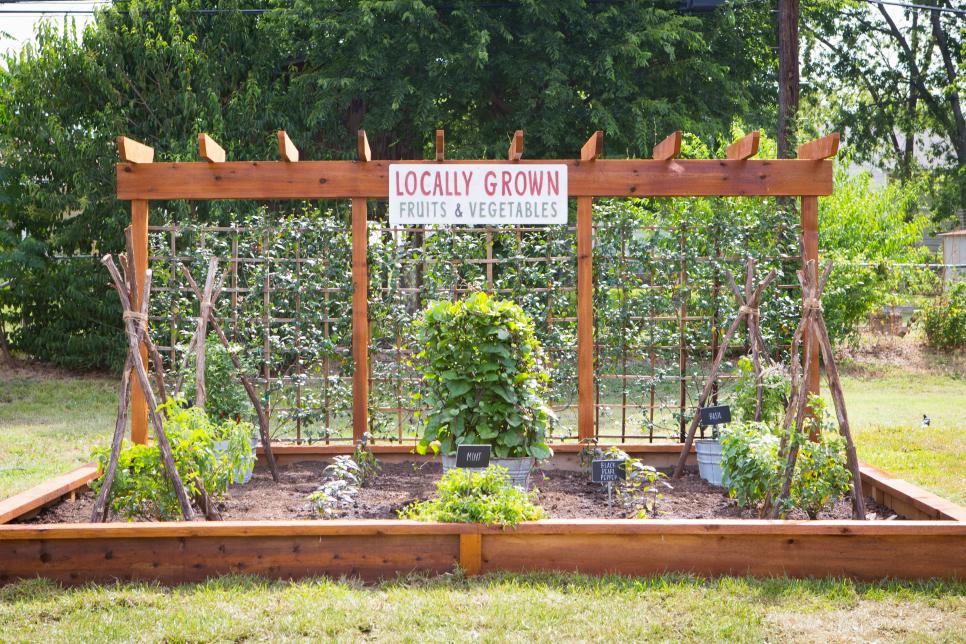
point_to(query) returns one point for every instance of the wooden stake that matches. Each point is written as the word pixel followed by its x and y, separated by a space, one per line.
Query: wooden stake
pixel 747 309
pixel 135 346
pixel 360 318
pixel 139 262
pixel 263 426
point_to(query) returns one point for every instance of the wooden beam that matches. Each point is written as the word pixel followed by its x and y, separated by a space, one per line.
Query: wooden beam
pixel 471 553
pixel 585 319
pixel 809 221
pixel 669 148
pixel 362 145
pixel 287 149
pixel 130 151
pixel 360 318
pixel 440 145
pixel 48 491
pixel 139 234
pixel 515 152
pixel 602 178
pixel 823 148
pixel 594 147
pixel 745 147
pixel 209 150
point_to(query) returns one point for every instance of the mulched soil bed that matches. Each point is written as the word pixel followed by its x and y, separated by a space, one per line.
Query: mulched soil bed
pixel 563 495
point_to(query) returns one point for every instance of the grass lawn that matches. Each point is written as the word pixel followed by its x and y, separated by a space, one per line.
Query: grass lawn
pixel 49 424
pixel 886 414
pixel 492 608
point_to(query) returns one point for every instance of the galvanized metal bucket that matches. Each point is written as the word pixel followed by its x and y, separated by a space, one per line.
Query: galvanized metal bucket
pixel 709 461
pixel 519 468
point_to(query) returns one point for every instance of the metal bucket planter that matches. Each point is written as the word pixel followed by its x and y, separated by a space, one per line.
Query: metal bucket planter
pixel 709 461
pixel 243 473
pixel 519 468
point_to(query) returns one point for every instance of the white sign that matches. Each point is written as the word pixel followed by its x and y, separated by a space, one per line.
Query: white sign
pixel 477 193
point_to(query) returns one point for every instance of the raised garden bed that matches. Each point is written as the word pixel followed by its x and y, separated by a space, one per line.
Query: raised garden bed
pixel 563 494
pixel 382 548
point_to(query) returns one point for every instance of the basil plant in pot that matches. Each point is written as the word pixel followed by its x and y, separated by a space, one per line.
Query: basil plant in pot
pixel 484 380
pixel 227 404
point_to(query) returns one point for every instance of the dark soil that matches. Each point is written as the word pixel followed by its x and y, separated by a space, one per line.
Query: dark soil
pixel 563 495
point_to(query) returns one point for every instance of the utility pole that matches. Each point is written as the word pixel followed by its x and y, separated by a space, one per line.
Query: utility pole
pixel 789 12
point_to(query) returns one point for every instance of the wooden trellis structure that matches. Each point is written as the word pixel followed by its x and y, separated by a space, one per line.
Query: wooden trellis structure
pixel 141 180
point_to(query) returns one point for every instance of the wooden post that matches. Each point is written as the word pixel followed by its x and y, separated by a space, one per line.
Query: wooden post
pixel 139 233
pixel 810 253
pixel 585 299
pixel 360 319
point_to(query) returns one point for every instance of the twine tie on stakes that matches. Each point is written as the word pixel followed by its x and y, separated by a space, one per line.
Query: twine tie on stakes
pixel 751 311
pixel 812 304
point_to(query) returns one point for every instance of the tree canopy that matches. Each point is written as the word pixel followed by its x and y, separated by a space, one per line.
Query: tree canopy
pixel 160 71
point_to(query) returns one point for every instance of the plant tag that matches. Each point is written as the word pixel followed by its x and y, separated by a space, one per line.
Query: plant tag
pixel 608 470
pixel 720 415
pixel 472 456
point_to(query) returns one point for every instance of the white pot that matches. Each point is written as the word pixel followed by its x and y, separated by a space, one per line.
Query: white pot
pixel 519 468
pixel 709 461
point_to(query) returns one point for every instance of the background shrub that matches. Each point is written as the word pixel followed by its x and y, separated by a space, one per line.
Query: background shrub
pixel 944 321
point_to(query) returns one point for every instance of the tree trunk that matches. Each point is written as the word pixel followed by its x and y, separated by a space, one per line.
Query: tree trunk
pixel 788 75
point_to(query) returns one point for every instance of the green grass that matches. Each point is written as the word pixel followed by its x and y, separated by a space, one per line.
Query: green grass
pixel 886 414
pixel 492 608
pixel 48 426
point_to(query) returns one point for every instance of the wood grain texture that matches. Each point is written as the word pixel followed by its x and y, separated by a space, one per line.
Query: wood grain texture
pixel 585 319
pixel 287 149
pixel 440 145
pixel 209 150
pixel 177 560
pixel 863 557
pixel 593 149
pixel 515 151
pixel 823 148
pixel 347 179
pixel 360 318
pixel 809 218
pixel 131 151
pixel 745 147
pixel 139 237
pixel 471 553
pixel 669 148
pixel 362 147
pixel 191 551
pixel 47 492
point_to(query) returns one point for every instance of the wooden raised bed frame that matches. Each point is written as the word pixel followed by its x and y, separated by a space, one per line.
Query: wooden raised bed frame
pixel 932 545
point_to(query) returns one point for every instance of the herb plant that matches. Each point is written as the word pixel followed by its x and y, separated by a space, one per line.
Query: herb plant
pixel 485 378
pixel 775 388
pixel 753 469
pixel 488 498
pixel 141 489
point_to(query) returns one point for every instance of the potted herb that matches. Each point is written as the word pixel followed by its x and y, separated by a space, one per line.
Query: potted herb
pixel 227 404
pixel 484 379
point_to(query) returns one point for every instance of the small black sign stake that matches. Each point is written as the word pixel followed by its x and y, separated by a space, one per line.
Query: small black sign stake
pixel 720 415
pixel 607 471
pixel 471 457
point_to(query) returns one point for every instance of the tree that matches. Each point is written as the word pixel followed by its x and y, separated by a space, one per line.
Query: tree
pixel 894 81
pixel 160 71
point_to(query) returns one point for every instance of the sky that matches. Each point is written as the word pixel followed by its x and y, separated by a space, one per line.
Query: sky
pixel 20 27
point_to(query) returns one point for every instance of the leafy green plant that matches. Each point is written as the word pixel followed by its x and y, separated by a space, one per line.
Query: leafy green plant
pixel 141 489
pixel 484 377
pixel 751 465
pixel 226 397
pixel 775 388
pixel 638 492
pixel 749 461
pixel 488 498
pixel 944 321
pixel 344 476
pixel 369 466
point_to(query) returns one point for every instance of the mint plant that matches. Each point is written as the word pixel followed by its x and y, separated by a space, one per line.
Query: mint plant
pixel 487 497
